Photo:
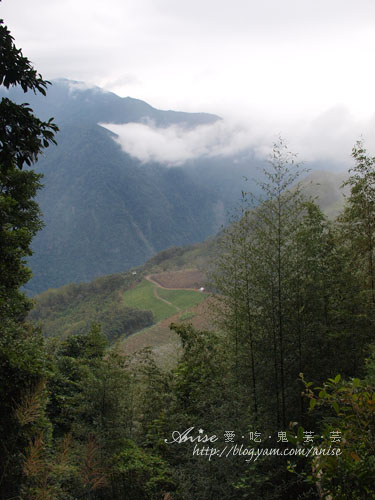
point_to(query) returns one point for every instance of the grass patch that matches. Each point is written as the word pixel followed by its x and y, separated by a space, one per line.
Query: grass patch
pixel 182 298
pixel 143 297
pixel 165 344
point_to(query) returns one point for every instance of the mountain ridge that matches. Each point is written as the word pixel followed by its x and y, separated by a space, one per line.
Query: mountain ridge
pixel 97 105
pixel 104 210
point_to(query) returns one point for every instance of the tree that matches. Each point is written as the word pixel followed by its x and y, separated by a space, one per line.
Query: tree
pixel 255 277
pixel 24 364
pixel 288 303
pixel 358 218
pixel 201 398
pixel 346 409
pixel 22 138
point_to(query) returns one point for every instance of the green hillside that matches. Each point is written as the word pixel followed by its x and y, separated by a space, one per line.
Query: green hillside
pixel 126 303
pixel 122 303
pixel 72 309
pixel 143 296
pixel 104 210
pixel 163 303
pixel 182 299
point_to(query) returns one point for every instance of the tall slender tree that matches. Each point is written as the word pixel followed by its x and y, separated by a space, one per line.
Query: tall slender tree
pixel 257 269
pixel 358 219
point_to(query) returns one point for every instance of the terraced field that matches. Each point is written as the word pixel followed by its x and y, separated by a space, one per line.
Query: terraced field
pixel 181 299
pixel 186 278
pixel 143 296
pixel 162 302
pixel 164 343
pixel 168 306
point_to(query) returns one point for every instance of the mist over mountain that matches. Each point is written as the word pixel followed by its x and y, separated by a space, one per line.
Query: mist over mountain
pixel 112 200
pixel 105 210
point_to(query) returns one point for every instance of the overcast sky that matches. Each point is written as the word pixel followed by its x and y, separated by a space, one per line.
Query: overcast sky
pixel 302 68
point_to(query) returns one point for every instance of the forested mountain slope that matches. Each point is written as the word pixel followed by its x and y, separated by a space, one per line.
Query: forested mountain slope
pixel 71 309
pixel 104 210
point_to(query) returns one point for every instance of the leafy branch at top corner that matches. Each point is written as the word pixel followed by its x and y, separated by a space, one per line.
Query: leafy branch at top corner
pixel 15 69
pixel 23 136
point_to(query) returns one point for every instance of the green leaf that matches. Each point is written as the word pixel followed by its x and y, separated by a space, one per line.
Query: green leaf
pixel 336 407
pixel 356 382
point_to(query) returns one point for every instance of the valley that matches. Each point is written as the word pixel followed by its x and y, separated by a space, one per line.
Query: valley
pixel 135 308
pixel 187 308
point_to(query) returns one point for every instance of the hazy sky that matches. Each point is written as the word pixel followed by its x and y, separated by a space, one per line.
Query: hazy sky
pixel 302 68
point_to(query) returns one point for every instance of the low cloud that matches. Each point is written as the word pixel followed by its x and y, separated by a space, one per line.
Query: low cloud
pixel 328 137
pixel 75 86
pixel 176 144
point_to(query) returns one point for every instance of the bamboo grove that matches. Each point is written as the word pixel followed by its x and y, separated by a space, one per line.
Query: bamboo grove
pixel 296 295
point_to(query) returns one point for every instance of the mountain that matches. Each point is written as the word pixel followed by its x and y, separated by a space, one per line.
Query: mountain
pixel 72 102
pixel 104 210
pixel 132 301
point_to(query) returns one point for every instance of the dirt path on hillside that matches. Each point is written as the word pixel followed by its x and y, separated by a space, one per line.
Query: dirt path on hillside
pixel 148 278
pixel 158 285
pixel 164 300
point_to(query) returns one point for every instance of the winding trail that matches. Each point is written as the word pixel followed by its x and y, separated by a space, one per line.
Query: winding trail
pixel 155 291
pixel 164 300
pixel 158 285
pixel 148 278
